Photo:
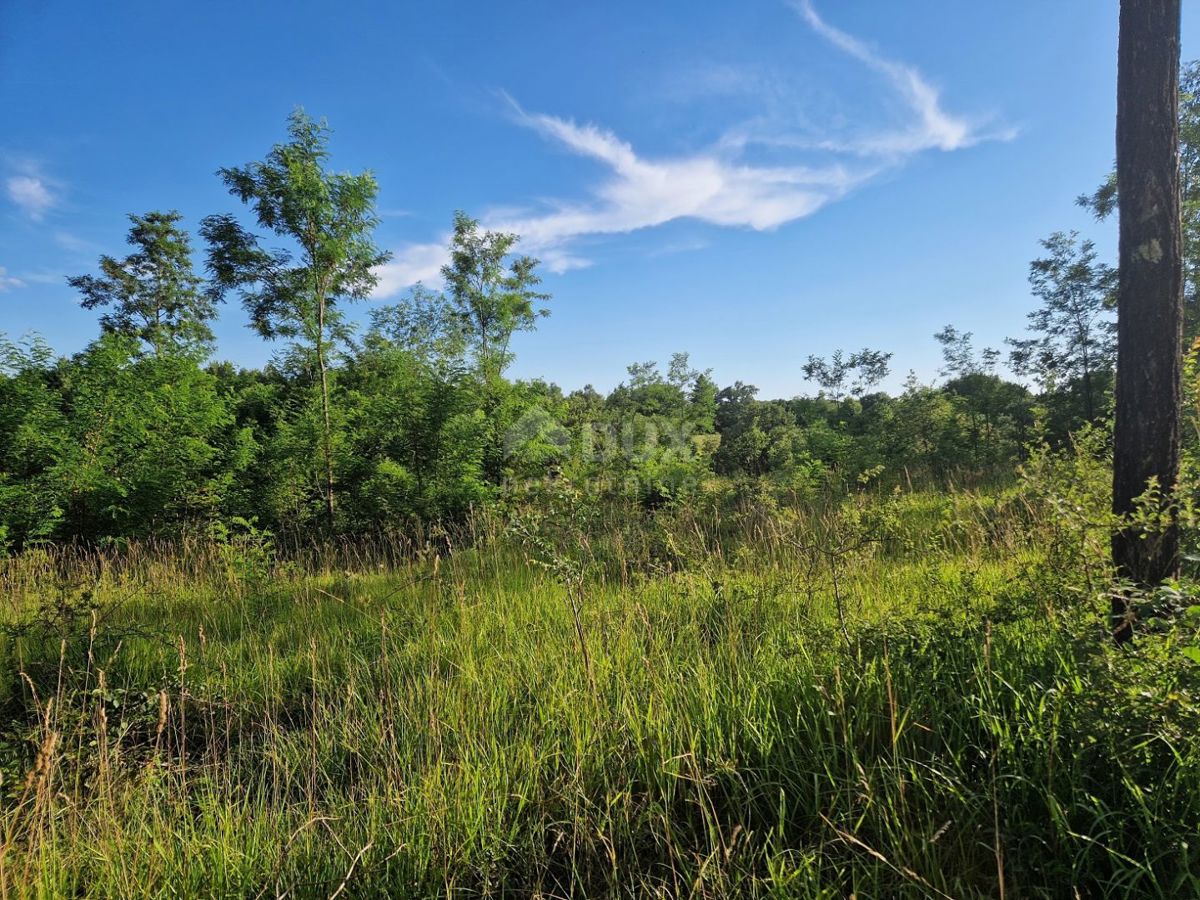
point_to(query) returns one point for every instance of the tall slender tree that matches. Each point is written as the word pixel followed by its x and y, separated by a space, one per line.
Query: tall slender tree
pixel 495 292
pixel 1150 293
pixel 296 292
pixel 1074 328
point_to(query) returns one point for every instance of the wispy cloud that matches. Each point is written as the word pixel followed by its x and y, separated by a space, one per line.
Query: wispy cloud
pixel 31 194
pixel 717 79
pixel 42 276
pixel 685 245
pixel 411 264
pixel 932 127
pixel 8 282
pixel 641 192
pixel 30 190
pixel 75 244
pixel 718 184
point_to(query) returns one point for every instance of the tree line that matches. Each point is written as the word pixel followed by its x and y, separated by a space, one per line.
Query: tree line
pixel 412 418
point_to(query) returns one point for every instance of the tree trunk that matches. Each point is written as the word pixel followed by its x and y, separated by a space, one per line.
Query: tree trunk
pixel 1089 406
pixel 1150 296
pixel 327 442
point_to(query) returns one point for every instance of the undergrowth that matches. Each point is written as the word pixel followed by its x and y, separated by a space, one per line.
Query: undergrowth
pixel 878 694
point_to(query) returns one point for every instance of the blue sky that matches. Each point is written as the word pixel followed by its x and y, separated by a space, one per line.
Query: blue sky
pixel 751 182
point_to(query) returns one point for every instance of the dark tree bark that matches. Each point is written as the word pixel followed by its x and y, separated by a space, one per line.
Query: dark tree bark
pixel 1150 294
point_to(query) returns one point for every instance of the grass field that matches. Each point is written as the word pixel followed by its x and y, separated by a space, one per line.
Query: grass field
pixel 915 702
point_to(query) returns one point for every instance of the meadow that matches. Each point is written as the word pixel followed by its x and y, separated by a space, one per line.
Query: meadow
pixel 878 693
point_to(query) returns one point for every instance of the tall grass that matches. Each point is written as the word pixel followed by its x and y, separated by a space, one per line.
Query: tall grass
pixel 882 697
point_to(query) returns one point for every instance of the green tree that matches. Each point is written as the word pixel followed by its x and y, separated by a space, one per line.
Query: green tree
pixel 958 354
pixel 493 291
pixel 426 323
pixel 152 294
pixel 33 442
pixel 296 293
pixel 703 400
pixel 416 433
pixel 1074 343
pixel 148 441
pixel 856 373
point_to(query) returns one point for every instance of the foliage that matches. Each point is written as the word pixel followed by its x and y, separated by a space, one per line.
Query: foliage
pixel 153 293
pixel 330 218
pixel 493 293
pixel 412 423
pixel 1075 346
pixel 858 372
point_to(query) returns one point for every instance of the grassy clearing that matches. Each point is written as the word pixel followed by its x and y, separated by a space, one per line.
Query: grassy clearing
pixel 215 723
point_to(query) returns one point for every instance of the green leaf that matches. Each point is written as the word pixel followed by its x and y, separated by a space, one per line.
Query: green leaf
pixel 1192 653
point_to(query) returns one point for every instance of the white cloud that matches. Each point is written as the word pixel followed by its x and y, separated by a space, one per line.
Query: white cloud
pixel 715 185
pixel 412 264
pixel 8 282
pixel 933 128
pixel 642 192
pixel 32 193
